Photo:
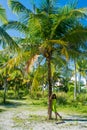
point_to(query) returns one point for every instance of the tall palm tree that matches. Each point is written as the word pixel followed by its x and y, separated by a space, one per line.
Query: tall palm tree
pixel 82 69
pixel 50 29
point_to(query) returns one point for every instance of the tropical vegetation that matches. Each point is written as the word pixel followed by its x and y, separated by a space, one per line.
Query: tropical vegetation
pixel 53 37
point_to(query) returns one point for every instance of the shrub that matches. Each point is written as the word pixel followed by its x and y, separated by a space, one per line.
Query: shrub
pixel 62 98
pixel 39 95
pixel 10 94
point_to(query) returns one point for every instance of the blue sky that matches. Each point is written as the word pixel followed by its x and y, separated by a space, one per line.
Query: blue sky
pixel 11 16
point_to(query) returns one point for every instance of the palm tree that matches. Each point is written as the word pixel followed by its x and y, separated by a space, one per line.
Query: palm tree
pixel 78 68
pixel 49 29
pixel 82 68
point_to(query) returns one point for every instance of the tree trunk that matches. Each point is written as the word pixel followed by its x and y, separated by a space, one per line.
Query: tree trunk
pixel 49 88
pixel 75 85
pixel 86 81
pixel 5 89
pixel 79 86
pixel 86 77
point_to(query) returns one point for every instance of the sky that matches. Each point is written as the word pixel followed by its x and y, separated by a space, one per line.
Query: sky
pixel 11 16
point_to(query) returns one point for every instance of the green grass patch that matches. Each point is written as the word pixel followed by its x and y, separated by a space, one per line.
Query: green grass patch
pixel 2 110
pixel 25 123
pixel 37 118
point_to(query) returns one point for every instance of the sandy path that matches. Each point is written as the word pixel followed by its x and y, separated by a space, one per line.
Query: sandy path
pixel 22 122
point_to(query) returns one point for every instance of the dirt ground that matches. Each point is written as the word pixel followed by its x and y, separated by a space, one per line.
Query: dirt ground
pixel 22 118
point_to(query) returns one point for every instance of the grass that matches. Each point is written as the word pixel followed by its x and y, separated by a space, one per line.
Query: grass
pixel 28 103
pixel 28 120
pixel 28 112
pixel 1 110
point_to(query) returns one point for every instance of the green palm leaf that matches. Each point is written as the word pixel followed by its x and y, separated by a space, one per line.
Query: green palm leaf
pixel 76 36
pixel 7 39
pixel 61 42
pixel 15 25
pixel 20 9
pixel 3 15
pixel 72 16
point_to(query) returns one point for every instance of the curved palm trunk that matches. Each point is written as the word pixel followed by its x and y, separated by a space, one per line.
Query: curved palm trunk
pixel 49 88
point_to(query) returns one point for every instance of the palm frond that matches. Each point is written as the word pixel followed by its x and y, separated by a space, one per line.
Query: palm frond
pixel 60 61
pixel 76 37
pixel 68 18
pixel 20 9
pixel 3 15
pixel 31 62
pixel 15 25
pixel 61 42
pixel 68 7
pixel 34 25
pixel 73 53
pixel 49 6
pixel 7 39
pixel 65 53
pixel 79 13
pixel 16 60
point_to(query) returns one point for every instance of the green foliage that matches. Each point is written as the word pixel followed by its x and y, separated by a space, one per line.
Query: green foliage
pixel 11 94
pixel 36 94
pixel 79 102
pixel 39 95
pixel 62 98
pixel 47 31
pixel 3 15
pixel 82 98
pixel 71 88
pixel 1 96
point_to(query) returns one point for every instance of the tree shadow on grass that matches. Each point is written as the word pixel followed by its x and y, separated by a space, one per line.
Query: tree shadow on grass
pixel 2 110
pixel 60 122
pixel 69 119
pixel 76 118
pixel 12 104
pixel 73 119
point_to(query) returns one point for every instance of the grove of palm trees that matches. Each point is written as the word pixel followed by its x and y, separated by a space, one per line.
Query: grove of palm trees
pixel 47 55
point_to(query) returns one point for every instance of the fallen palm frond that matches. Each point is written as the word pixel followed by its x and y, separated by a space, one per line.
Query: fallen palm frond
pixel 31 62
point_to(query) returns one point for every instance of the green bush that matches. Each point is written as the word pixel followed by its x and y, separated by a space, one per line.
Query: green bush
pixel 1 93
pixel 10 94
pixel 1 96
pixel 39 95
pixel 62 98
pixel 82 98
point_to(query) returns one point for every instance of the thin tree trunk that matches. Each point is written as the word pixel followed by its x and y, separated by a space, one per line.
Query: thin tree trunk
pixel 49 88
pixel 79 86
pixel 75 85
pixel 5 89
pixel 86 77
pixel 86 81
